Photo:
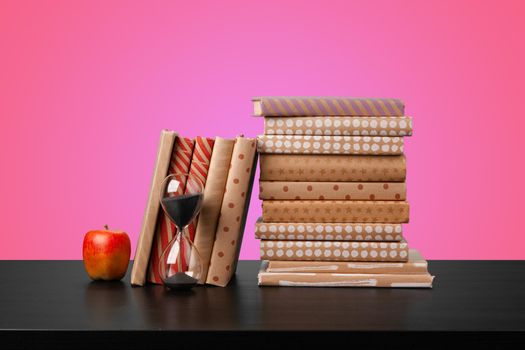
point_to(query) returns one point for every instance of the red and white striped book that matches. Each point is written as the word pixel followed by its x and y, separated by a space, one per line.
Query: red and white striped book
pixel 179 163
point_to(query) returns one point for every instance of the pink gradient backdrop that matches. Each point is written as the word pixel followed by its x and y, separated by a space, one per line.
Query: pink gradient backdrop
pixel 86 86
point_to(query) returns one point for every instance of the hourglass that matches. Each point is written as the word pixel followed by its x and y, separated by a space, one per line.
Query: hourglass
pixel 181 201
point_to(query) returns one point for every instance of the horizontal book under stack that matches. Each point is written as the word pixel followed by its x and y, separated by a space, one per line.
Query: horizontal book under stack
pixel 333 191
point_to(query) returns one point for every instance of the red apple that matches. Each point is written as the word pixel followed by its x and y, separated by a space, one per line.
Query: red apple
pixel 106 254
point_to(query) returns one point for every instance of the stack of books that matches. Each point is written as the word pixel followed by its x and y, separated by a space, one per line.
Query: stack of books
pixel 332 182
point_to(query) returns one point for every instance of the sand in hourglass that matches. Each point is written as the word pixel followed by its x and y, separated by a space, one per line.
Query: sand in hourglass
pixel 181 210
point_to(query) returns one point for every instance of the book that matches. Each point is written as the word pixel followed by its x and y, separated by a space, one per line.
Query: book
pixel 338 126
pixel 326 106
pixel 334 251
pixel 179 163
pixel 287 190
pixel 294 279
pixel 341 168
pixel 211 205
pixel 358 145
pixel 232 217
pixel 416 264
pixel 199 165
pixel 328 231
pixel 335 211
pixel 151 213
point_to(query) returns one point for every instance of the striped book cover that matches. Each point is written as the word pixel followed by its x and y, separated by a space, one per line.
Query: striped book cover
pixel 179 163
pixel 200 163
pixel 327 106
pixel 358 145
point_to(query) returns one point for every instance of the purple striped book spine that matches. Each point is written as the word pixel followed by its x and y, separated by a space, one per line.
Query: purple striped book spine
pixel 328 106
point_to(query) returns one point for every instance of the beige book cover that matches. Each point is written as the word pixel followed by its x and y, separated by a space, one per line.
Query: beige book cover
pixel 232 219
pixel 294 231
pixel 211 204
pixel 142 253
pixel 332 167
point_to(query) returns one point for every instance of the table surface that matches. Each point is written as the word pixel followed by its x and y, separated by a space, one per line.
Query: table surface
pixel 467 296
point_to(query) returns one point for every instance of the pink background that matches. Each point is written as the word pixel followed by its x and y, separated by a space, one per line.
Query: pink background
pixel 85 88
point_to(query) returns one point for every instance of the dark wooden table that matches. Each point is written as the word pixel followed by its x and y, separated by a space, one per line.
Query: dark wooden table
pixel 472 302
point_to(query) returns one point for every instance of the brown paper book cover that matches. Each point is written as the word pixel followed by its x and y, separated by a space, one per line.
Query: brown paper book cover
pixel 326 106
pixel 147 231
pixel 358 145
pixel 334 251
pixel 416 264
pixel 211 204
pixel 328 231
pixel 335 211
pixel 233 211
pixel 341 168
pixel 304 190
pixel 338 126
pixel 290 279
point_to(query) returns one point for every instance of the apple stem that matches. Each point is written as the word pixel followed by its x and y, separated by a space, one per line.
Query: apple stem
pixel 106 227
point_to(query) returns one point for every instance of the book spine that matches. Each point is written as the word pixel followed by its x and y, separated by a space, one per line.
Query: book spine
pixel 197 173
pixel 347 267
pixel 339 126
pixel 211 205
pixel 329 106
pixel 345 280
pixel 288 190
pixel 334 251
pixel 277 167
pixel 335 211
pixel 147 231
pixel 357 145
pixel 179 163
pixel 328 231
pixel 229 229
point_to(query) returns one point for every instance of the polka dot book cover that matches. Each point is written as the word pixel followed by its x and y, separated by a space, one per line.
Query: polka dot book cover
pixel 253 173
